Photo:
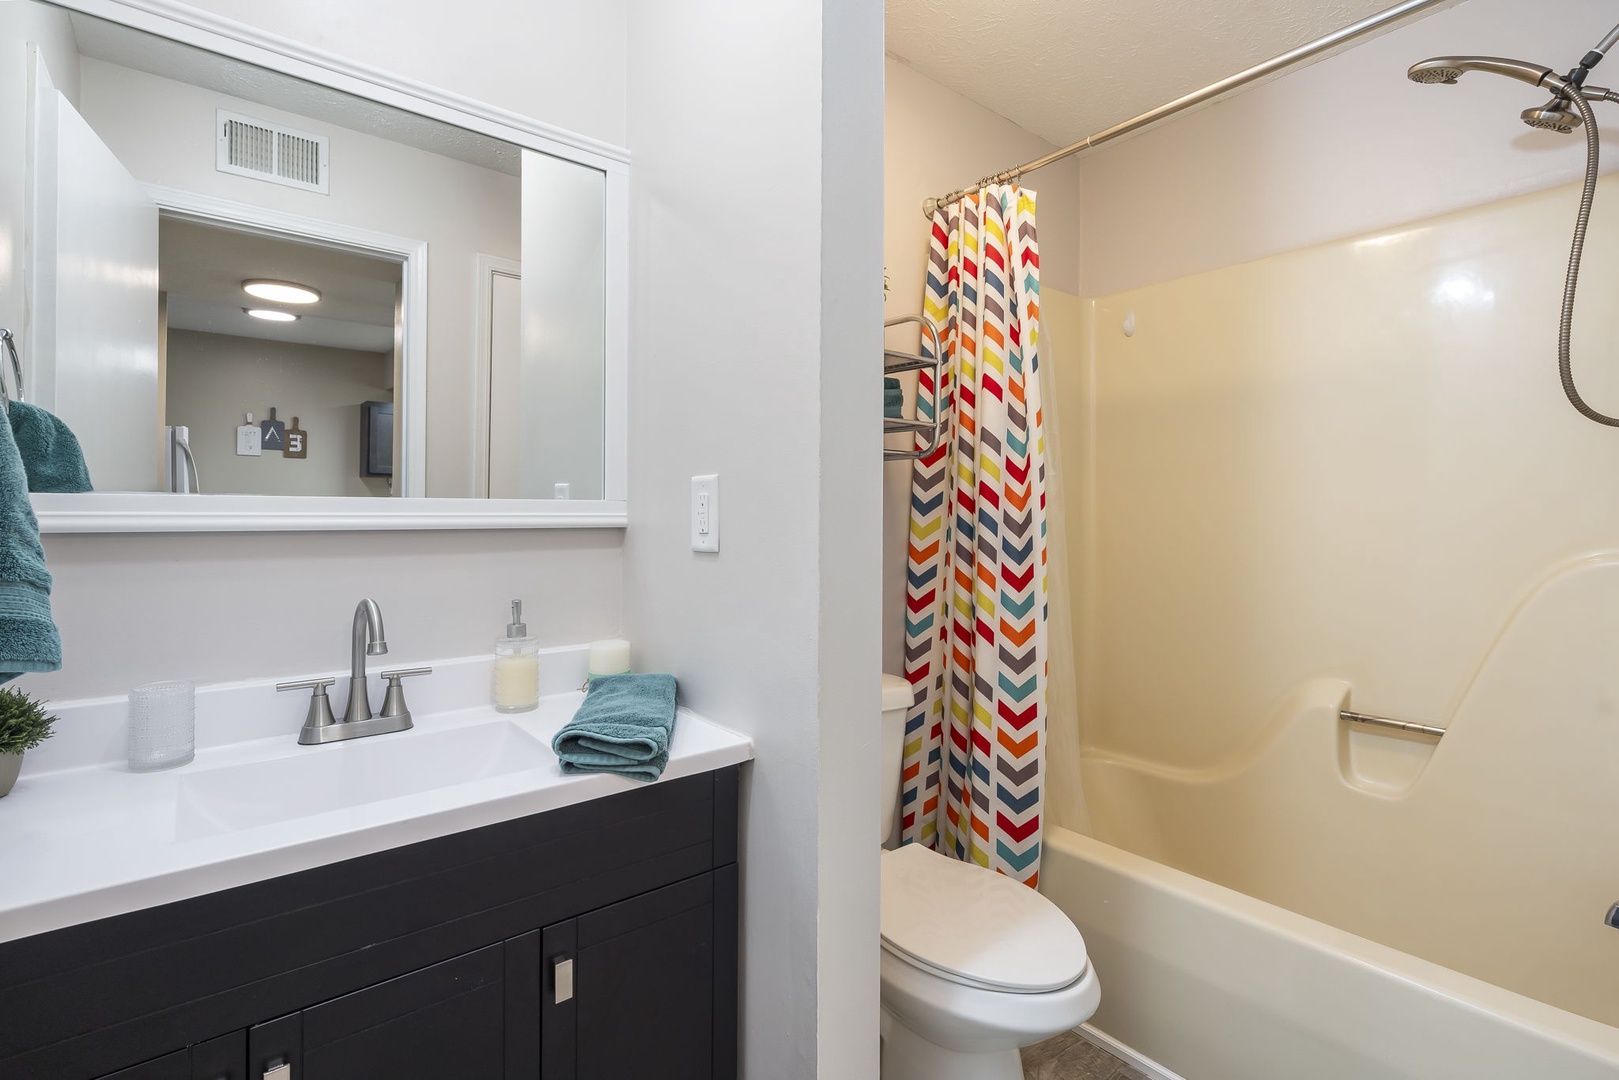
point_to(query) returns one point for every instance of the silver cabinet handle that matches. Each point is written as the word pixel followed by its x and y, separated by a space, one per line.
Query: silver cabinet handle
pixel 280 1072
pixel 562 980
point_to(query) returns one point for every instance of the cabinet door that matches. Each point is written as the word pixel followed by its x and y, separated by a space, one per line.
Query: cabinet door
pixel 629 990
pixel 224 1058
pixel 445 1022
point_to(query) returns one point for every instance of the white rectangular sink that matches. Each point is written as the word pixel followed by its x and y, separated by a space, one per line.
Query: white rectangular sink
pixel 82 837
pixel 340 776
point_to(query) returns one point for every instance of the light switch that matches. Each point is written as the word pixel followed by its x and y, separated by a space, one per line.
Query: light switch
pixel 559 491
pixel 705 513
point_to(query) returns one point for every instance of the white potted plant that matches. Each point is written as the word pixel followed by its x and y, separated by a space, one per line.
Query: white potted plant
pixel 24 724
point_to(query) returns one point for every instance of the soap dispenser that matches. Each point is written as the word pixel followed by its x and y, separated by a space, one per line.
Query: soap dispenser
pixel 517 666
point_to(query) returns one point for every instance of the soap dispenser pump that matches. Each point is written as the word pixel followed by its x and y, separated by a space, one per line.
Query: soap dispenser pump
pixel 517 666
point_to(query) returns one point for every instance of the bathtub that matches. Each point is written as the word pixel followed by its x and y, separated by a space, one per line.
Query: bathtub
pixel 1216 985
pixel 1337 902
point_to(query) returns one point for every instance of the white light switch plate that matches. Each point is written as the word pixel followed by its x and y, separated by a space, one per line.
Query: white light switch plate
pixel 705 513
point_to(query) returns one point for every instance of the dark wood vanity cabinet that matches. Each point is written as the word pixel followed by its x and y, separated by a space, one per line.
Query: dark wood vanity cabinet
pixel 592 942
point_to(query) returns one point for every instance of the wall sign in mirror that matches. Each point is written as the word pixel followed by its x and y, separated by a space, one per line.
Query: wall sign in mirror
pixel 214 227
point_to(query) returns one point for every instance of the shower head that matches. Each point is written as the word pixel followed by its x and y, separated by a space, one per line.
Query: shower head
pixel 1555 115
pixel 1447 69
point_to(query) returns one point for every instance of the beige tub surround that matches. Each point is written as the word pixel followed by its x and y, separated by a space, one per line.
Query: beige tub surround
pixel 1482 851
pixel 1346 477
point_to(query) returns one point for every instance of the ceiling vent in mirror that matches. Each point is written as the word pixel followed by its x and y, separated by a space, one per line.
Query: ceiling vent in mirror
pixel 273 152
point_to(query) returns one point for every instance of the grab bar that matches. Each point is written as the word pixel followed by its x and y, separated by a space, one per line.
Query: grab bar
pixel 1385 722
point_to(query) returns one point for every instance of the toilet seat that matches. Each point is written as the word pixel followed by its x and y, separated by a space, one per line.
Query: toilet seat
pixel 970 925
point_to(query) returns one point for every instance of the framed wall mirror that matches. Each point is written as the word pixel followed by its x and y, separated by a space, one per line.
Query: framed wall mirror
pixel 264 289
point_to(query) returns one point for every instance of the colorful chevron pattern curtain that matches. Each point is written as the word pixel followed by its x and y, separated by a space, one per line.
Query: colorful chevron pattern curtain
pixel 975 639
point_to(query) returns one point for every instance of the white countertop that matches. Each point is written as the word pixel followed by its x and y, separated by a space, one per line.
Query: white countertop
pixel 85 840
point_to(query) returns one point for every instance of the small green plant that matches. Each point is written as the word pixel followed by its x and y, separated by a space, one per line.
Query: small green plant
pixel 24 723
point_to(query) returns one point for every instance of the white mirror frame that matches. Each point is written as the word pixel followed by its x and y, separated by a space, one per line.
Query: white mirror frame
pixel 115 512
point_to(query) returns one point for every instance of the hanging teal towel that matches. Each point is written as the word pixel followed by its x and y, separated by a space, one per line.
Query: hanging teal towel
pixel 623 727
pixel 50 451
pixel 28 637
pixel 893 398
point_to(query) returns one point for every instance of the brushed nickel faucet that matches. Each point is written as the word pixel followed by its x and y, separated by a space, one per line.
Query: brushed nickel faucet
pixel 367 639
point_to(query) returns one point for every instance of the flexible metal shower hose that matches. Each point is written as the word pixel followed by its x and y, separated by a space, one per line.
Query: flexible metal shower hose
pixel 1565 328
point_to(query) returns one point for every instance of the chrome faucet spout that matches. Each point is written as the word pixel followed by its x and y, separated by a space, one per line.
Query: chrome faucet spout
pixel 368 640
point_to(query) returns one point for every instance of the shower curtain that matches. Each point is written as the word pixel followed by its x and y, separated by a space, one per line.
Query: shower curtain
pixel 975 633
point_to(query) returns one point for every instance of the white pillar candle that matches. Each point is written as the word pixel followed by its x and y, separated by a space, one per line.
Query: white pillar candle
pixel 609 657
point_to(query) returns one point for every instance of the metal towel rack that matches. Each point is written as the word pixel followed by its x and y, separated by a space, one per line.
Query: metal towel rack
pixel 16 370
pixel 894 362
pixel 1393 725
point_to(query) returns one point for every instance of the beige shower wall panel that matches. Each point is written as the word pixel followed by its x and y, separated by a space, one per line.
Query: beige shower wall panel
pixel 1065 349
pixel 1344 462
pixel 1493 851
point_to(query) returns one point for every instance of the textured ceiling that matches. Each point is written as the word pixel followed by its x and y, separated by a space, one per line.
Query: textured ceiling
pixel 202 269
pixel 1064 69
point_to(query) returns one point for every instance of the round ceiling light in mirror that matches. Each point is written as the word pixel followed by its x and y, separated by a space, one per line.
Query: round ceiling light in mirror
pixel 271 315
pixel 280 292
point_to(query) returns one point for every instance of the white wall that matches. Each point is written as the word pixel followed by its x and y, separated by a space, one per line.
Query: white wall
pixel 1345 146
pixel 552 60
pixel 132 609
pixel 850 519
pixel 753 338
pixel 214 380
pixel 163 132
pixel 936 141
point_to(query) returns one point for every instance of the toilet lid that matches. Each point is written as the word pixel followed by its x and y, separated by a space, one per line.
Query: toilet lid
pixel 897 693
pixel 976 926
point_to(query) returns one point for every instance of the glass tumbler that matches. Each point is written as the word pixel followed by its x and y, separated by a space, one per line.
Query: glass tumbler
pixel 162 725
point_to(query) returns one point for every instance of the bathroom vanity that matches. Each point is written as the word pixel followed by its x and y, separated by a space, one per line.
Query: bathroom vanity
pixel 510 921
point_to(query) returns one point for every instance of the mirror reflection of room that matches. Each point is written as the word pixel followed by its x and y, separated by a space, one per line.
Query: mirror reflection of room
pixel 278 358
pixel 398 374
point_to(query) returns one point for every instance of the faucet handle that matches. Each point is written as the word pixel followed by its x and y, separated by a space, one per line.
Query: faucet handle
pixel 320 707
pixel 393 701
pixel 317 685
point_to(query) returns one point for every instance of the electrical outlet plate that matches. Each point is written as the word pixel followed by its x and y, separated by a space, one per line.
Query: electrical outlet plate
pixel 705 513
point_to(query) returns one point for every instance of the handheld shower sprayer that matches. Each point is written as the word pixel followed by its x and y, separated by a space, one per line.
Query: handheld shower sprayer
pixel 1448 69
pixel 1568 110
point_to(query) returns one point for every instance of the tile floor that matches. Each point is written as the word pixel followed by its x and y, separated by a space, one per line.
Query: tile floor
pixel 1070 1057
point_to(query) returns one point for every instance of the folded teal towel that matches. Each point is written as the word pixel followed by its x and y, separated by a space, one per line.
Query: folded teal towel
pixel 28 638
pixel 623 727
pixel 893 398
pixel 50 451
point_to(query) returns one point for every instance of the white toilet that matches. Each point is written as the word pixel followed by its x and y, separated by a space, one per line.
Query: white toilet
pixel 974 964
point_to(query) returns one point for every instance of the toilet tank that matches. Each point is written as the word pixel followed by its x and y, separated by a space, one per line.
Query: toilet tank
pixel 896 702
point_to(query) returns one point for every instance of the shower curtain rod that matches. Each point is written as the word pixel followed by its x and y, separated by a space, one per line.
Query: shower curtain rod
pixel 1382 20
